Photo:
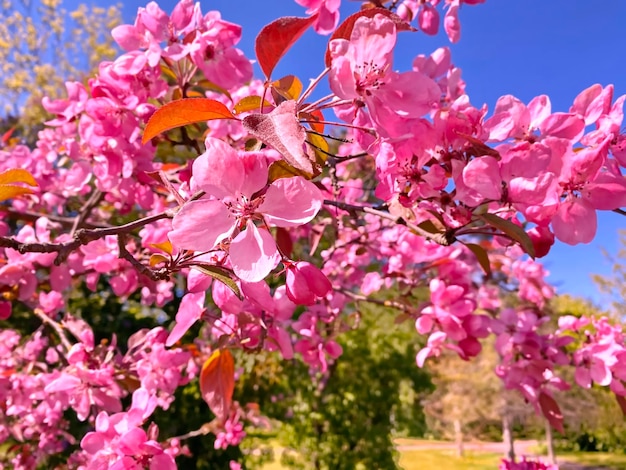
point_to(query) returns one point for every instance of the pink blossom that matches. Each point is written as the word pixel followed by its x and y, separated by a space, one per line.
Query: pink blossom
pixel 237 195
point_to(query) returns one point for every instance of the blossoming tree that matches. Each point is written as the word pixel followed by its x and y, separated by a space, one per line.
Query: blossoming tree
pixel 272 214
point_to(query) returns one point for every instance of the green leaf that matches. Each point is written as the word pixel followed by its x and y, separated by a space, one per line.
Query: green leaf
pixel 220 274
pixel 516 232
pixel 481 256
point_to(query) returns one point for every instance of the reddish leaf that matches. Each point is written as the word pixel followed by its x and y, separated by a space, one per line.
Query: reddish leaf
pixel 217 382
pixel 281 130
pixel 276 39
pixel 284 241
pixel 7 135
pixel 315 119
pixel 344 30
pixel 183 112
pixel 551 411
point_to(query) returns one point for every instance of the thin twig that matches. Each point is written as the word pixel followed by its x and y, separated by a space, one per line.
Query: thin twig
pixel 384 303
pixel 159 275
pixel 55 326
pixel 444 239
pixel 81 237
pixel 85 211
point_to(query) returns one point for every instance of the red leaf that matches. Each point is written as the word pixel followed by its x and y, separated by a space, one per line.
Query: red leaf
pixel 276 39
pixel 7 135
pixel 551 411
pixel 217 382
pixel 183 112
pixel 281 130
pixel 344 30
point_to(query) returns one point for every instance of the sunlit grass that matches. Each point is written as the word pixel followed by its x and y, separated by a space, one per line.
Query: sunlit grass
pixel 447 460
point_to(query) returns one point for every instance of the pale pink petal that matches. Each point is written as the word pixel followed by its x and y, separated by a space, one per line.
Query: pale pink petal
pixel 92 442
pixel 200 225
pixel 451 23
pixel 218 171
pixel 564 126
pixel 539 109
pixel 189 311
pixel 600 373
pixel 583 377
pixel 290 202
pixel 428 19
pixel 253 254
pixel 255 171
pixel 64 383
pixel 606 192
pixel 409 94
pixel 575 222
pixel 483 176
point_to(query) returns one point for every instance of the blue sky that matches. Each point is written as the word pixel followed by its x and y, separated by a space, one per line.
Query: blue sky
pixel 524 48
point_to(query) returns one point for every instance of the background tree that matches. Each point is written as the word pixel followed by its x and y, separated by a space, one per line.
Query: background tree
pixel 42 45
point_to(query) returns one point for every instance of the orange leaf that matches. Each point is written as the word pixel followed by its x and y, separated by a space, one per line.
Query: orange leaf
pixel 9 190
pixel 217 382
pixel 286 88
pixel 17 175
pixel 183 112
pixel 165 246
pixel 344 30
pixel 276 39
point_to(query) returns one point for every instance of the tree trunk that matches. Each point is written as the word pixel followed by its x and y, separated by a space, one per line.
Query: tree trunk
pixel 458 437
pixel 507 438
pixel 550 443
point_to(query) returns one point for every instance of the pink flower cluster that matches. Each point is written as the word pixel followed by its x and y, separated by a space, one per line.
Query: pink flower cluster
pixel 272 234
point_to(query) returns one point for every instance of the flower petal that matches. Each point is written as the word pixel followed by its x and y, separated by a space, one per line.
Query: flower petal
pixel 290 202
pixel 200 225
pixel 218 171
pixel 253 254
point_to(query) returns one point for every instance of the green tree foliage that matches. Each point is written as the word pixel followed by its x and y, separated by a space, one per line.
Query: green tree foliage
pixel 345 418
pixel 41 46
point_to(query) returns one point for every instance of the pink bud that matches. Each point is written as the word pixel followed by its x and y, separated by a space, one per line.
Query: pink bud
pixel 5 310
pixel 542 239
pixel 428 20
pixel 306 282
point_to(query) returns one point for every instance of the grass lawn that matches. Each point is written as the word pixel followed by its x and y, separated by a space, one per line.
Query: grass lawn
pixel 602 460
pixel 448 460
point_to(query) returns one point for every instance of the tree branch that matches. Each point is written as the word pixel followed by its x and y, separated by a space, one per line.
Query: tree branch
pixel 444 239
pixel 81 237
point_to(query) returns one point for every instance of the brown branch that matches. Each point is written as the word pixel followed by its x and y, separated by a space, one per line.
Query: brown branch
pixel 81 237
pixel 158 275
pixel 85 211
pixel 34 216
pixel 384 303
pixel 444 239
pixel 55 326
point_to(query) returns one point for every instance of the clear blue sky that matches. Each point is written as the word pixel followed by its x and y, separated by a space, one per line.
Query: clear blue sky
pixel 524 48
